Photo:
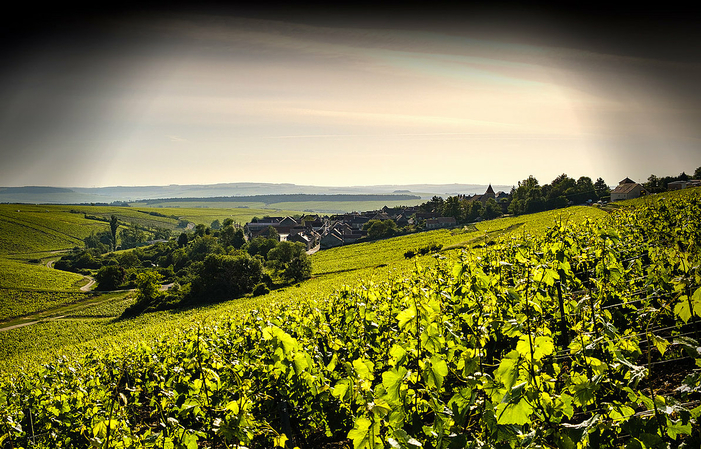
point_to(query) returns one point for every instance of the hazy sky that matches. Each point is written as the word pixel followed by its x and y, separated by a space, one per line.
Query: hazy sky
pixel 359 97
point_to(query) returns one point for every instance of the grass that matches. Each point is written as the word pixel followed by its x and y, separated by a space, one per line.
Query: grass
pixel 538 223
pixel 24 276
pixel 26 229
pixel 16 303
pixel 658 196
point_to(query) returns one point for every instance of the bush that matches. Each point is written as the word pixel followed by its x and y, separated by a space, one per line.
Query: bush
pixel 110 277
pixel 261 289
pixel 221 276
pixel 290 260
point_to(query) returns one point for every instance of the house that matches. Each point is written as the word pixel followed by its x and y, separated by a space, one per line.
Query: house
pixel 381 216
pixel 678 185
pixel 627 189
pixel 264 233
pixel 283 226
pixel 307 236
pixel 401 220
pixel 489 194
pixel 427 215
pixel 330 240
pixel 440 222
pixel 501 196
pixel 354 236
pixel 357 222
pixel 307 240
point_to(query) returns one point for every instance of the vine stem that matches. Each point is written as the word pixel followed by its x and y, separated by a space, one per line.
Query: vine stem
pixel 112 400
pixel 206 390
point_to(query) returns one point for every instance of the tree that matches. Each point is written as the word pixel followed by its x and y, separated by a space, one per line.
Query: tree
pixel 182 239
pixel 161 233
pixel 273 234
pixel 435 204
pixel 697 173
pixel 202 246
pixel 601 189
pixel 528 196
pixel 474 210
pixel 222 276
pixel 378 229
pixel 201 230
pixel 128 259
pixel 216 225
pixel 114 224
pixel 110 277
pixel 299 268
pixel 290 261
pixel 229 236
pixel 148 287
pixel 260 246
pixel 451 208
pixel 491 209
pixel 583 191
pixel 102 241
pixel 534 200
pixel 132 236
pixel 559 192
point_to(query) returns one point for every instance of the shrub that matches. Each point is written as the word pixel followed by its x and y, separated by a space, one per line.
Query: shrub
pixel 260 289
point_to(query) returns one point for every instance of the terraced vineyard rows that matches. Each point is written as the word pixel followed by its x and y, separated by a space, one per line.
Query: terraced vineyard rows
pixel 17 275
pixel 586 337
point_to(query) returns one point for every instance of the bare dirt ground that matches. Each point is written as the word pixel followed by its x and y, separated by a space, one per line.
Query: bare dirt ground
pixel 86 287
pixel 29 323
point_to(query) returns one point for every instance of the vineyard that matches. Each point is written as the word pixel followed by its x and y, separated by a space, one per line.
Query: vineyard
pixel 586 336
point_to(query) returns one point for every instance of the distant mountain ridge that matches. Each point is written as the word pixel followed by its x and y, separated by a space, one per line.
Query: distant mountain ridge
pixel 78 195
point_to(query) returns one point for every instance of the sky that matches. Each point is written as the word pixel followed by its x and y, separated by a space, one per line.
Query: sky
pixel 347 96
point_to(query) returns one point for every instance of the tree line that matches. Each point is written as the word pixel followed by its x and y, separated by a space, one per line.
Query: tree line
pixel 657 184
pixel 528 197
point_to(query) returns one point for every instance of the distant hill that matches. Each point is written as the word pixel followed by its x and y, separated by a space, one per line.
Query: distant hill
pixel 33 190
pixel 287 198
pixel 98 195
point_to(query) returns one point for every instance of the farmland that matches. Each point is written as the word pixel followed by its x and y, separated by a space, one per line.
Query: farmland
pixel 331 269
pixel 321 207
pixel 561 331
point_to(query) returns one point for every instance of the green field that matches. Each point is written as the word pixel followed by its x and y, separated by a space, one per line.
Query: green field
pixel 24 276
pixel 284 208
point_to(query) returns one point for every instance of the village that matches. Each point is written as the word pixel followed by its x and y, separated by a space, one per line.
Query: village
pixel 322 232
pixel 315 231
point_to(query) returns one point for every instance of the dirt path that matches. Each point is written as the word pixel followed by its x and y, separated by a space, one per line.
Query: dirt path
pixel 29 323
pixel 86 287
